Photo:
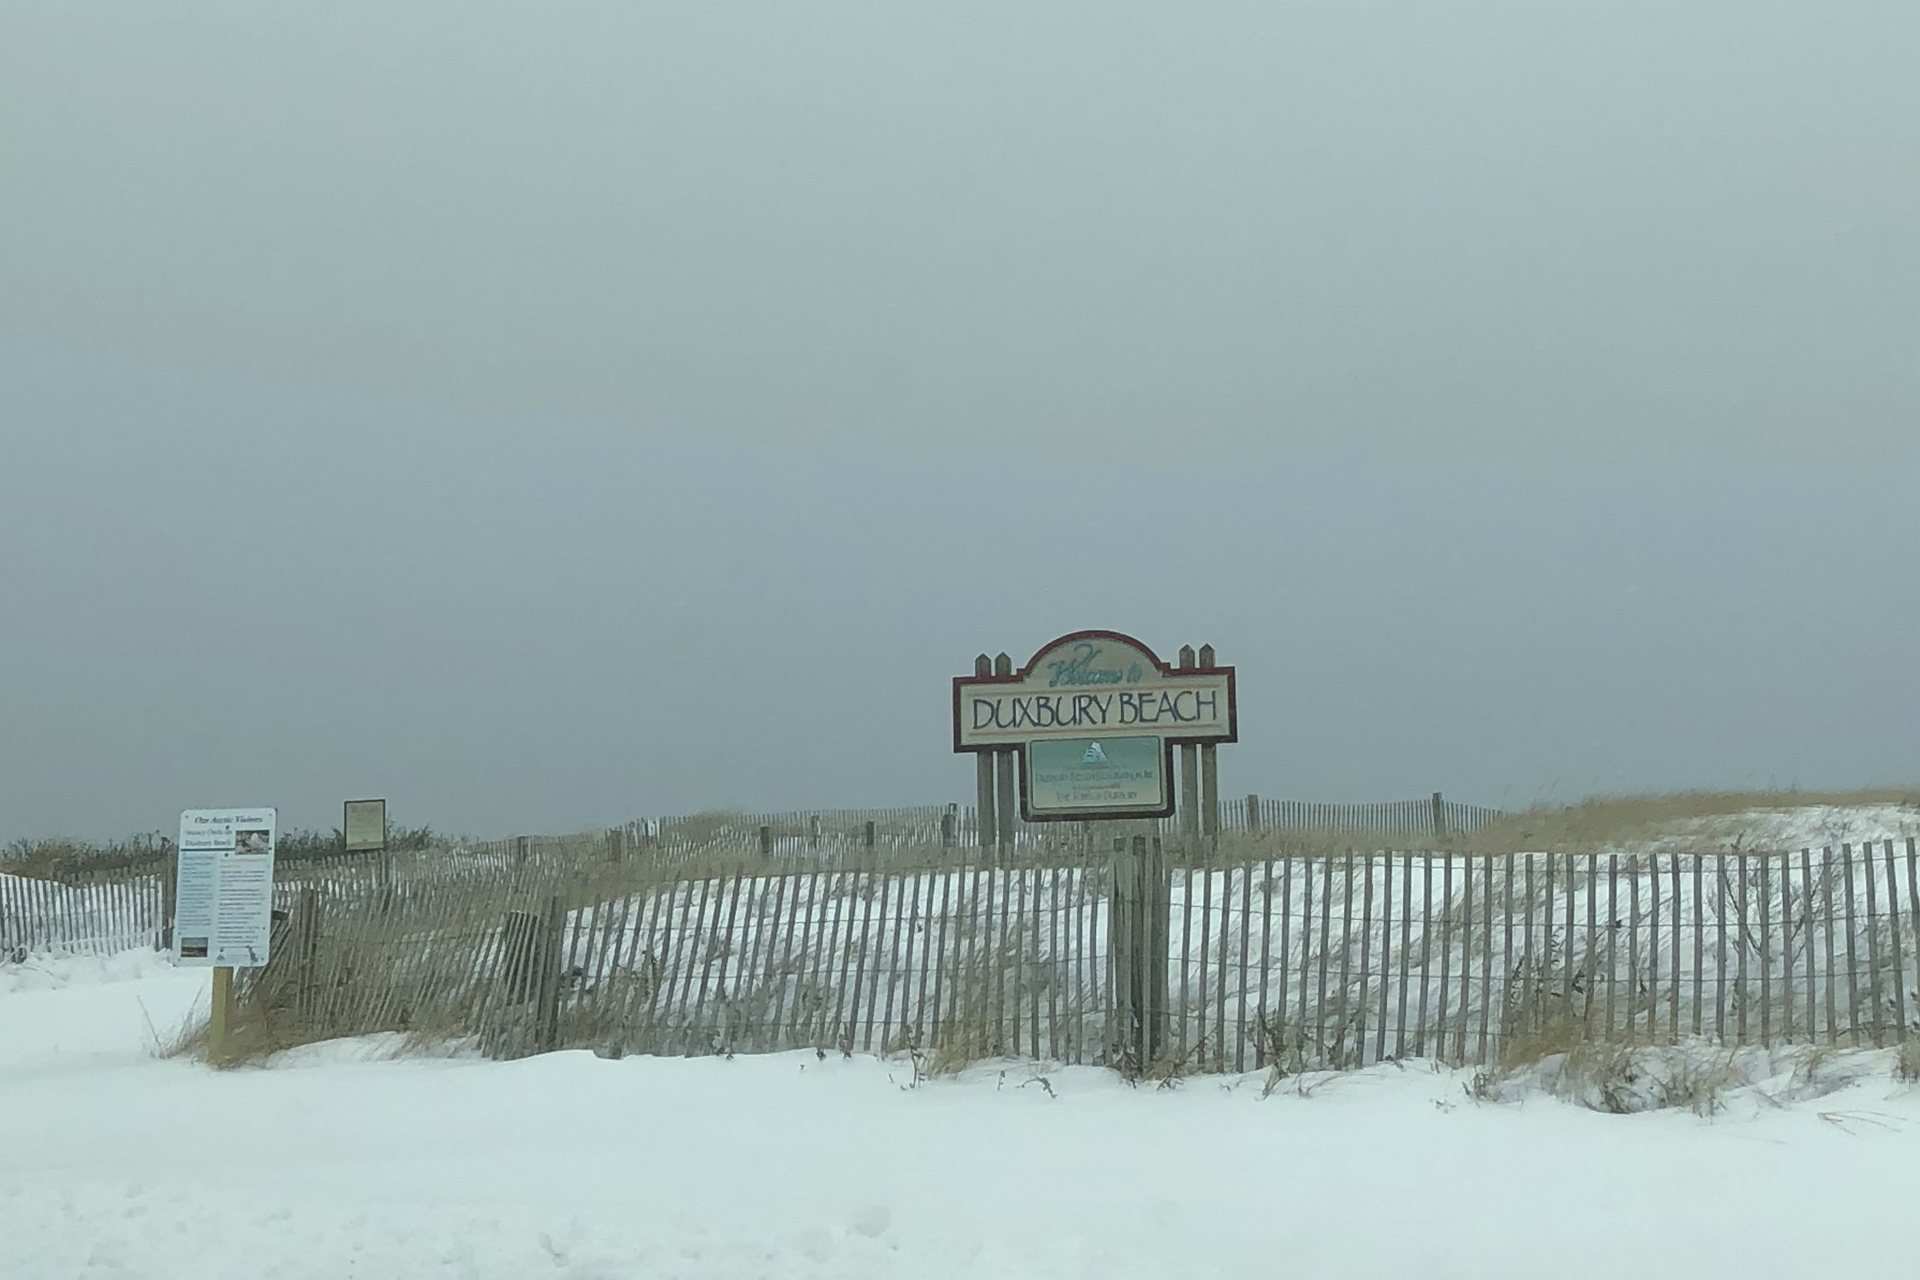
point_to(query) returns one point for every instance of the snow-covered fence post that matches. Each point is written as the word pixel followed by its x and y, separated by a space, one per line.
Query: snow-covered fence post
pixel 529 982
pixel 547 965
pixel 517 958
pixel 169 883
pixel 306 937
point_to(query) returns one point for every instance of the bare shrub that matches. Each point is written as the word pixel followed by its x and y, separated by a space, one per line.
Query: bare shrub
pixel 1603 1077
pixel 1698 1083
pixel 76 861
pixel 1555 1054
pixel 1282 1044
pixel 1533 1037
pixel 1906 1065
pixel 971 1032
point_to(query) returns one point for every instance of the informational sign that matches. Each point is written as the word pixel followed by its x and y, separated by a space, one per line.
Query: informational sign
pixel 223 901
pixel 365 826
pixel 1072 777
pixel 1090 684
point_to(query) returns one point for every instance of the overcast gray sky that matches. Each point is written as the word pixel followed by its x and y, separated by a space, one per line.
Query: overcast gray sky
pixel 549 415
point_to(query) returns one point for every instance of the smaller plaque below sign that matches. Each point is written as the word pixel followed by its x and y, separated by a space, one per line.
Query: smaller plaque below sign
pixel 1085 778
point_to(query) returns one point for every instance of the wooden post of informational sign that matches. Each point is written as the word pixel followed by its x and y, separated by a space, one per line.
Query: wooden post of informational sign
pixel 1189 777
pixel 1008 797
pixel 1209 774
pixel 221 1018
pixel 1137 918
pixel 986 812
pixel 1125 952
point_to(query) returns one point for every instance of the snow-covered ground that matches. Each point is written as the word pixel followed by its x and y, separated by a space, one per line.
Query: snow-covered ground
pixel 1787 829
pixel 341 1161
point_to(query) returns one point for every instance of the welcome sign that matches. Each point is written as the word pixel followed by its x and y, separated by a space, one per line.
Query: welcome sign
pixel 1093 683
pixel 1094 718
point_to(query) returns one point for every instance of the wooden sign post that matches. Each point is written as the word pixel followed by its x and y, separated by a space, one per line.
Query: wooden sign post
pixel 221 1016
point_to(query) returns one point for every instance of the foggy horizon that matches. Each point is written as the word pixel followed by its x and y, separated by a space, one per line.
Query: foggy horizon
pixel 628 412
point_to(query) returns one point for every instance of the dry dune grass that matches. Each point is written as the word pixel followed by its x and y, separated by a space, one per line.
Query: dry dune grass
pixel 1609 821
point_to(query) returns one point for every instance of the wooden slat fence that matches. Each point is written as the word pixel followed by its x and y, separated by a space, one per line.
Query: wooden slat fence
pixel 1401 819
pixel 93 917
pixel 1292 962
pixel 765 932
pixel 122 904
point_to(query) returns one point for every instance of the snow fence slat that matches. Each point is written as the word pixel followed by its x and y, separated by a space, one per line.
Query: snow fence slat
pixel 1873 946
pixel 1896 960
pixel 1406 950
pixel 1446 957
pixel 1853 949
pixel 1765 866
pixel 1247 975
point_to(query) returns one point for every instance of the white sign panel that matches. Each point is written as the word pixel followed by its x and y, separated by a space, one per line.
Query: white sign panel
pixel 223 901
pixel 1093 684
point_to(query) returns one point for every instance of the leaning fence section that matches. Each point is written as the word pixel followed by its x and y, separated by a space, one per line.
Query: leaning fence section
pixel 965 962
pixel 976 961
